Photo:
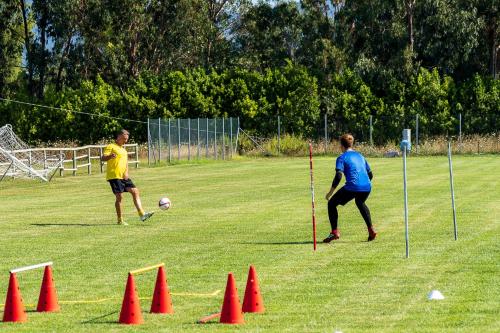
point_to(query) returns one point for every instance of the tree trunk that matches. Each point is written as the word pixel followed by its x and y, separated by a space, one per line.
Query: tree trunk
pixel 29 58
pixel 43 56
pixel 410 5
pixel 61 63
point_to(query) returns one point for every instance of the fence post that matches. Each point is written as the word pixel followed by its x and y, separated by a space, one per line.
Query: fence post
pixel 416 133
pixel 215 138
pixel 460 129
pixel 159 140
pixel 44 159
pixel 100 159
pixel 198 138
pixel 149 145
pixel 74 162
pixel 326 133
pixel 231 135
pixel 371 130
pixel 169 143
pixel 206 143
pixel 136 155
pixel 279 134
pixel 178 139
pixel 237 135
pixel 61 169
pixel 223 140
pixel 89 161
pixel 189 139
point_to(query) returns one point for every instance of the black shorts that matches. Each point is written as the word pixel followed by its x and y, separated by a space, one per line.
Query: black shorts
pixel 343 196
pixel 120 185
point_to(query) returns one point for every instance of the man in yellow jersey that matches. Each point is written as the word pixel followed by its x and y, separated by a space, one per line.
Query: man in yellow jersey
pixel 116 157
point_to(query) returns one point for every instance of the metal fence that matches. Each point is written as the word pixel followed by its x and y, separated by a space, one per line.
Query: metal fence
pixel 178 139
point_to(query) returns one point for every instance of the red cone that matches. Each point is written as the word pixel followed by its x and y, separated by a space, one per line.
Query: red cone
pixel 47 302
pixel 14 308
pixel 162 303
pixel 231 309
pixel 131 309
pixel 252 302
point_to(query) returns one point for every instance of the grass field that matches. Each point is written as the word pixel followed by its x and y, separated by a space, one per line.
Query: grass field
pixel 227 215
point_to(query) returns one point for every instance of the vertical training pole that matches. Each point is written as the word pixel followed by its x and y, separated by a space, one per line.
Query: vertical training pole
pixel 452 193
pixel 178 139
pixel 416 133
pixel 312 196
pixel 149 146
pixel 189 139
pixel 169 142
pixel 159 140
pixel 279 134
pixel 371 130
pixel 407 238
pixel 406 146
pixel 100 159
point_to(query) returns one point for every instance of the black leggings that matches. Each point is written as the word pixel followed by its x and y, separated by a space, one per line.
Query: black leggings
pixel 343 196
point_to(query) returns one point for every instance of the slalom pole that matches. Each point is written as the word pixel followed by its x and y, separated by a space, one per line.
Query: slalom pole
pixel 407 238
pixel 312 195
pixel 452 189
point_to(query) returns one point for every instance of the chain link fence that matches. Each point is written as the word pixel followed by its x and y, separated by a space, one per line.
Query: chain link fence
pixel 188 139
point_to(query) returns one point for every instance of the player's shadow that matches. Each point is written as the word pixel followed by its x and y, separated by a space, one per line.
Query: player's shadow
pixel 71 224
pixel 99 320
pixel 279 243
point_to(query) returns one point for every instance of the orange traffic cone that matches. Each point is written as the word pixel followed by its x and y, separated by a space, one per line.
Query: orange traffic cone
pixel 252 302
pixel 131 309
pixel 162 303
pixel 47 302
pixel 14 308
pixel 231 309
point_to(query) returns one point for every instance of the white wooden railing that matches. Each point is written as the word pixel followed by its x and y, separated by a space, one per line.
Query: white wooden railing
pixel 73 156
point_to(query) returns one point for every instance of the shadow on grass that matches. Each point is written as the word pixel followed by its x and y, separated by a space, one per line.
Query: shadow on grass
pixel 98 320
pixel 71 224
pixel 278 243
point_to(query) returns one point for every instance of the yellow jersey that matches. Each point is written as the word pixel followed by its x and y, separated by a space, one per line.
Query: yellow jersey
pixel 116 167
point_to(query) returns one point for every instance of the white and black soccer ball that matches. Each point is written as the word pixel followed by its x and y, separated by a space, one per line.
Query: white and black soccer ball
pixel 164 203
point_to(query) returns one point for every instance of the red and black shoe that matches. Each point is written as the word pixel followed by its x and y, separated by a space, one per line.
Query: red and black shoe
pixel 371 234
pixel 334 235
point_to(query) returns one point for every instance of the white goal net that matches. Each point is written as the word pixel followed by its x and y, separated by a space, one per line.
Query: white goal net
pixel 18 160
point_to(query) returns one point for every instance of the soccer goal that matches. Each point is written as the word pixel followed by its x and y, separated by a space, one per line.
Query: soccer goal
pixel 18 160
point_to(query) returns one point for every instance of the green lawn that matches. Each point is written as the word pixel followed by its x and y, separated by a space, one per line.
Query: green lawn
pixel 227 215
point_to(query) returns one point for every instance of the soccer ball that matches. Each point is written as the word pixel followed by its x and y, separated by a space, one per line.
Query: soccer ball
pixel 164 203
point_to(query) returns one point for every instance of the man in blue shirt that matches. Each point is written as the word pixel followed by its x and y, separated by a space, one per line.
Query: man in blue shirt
pixel 357 186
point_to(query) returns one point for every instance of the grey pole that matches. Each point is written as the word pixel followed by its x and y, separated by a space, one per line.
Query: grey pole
pixel 326 133
pixel 149 146
pixel 189 139
pixel 237 136
pixel 206 142
pixel 452 193
pixel 407 238
pixel 416 133
pixel 169 143
pixel 159 140
pixel 279 134
pixel 215 138
pixel 178 139
pixel 198 138
pixel 223 139
pixel 371 130
pixel 231 135
pixel 407 138
pixel 460 129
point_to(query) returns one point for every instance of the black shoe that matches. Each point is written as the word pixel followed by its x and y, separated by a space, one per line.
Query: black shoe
pixel 331 237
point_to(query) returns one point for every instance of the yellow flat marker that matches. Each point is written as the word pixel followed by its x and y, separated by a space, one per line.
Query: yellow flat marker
pixel 146 269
